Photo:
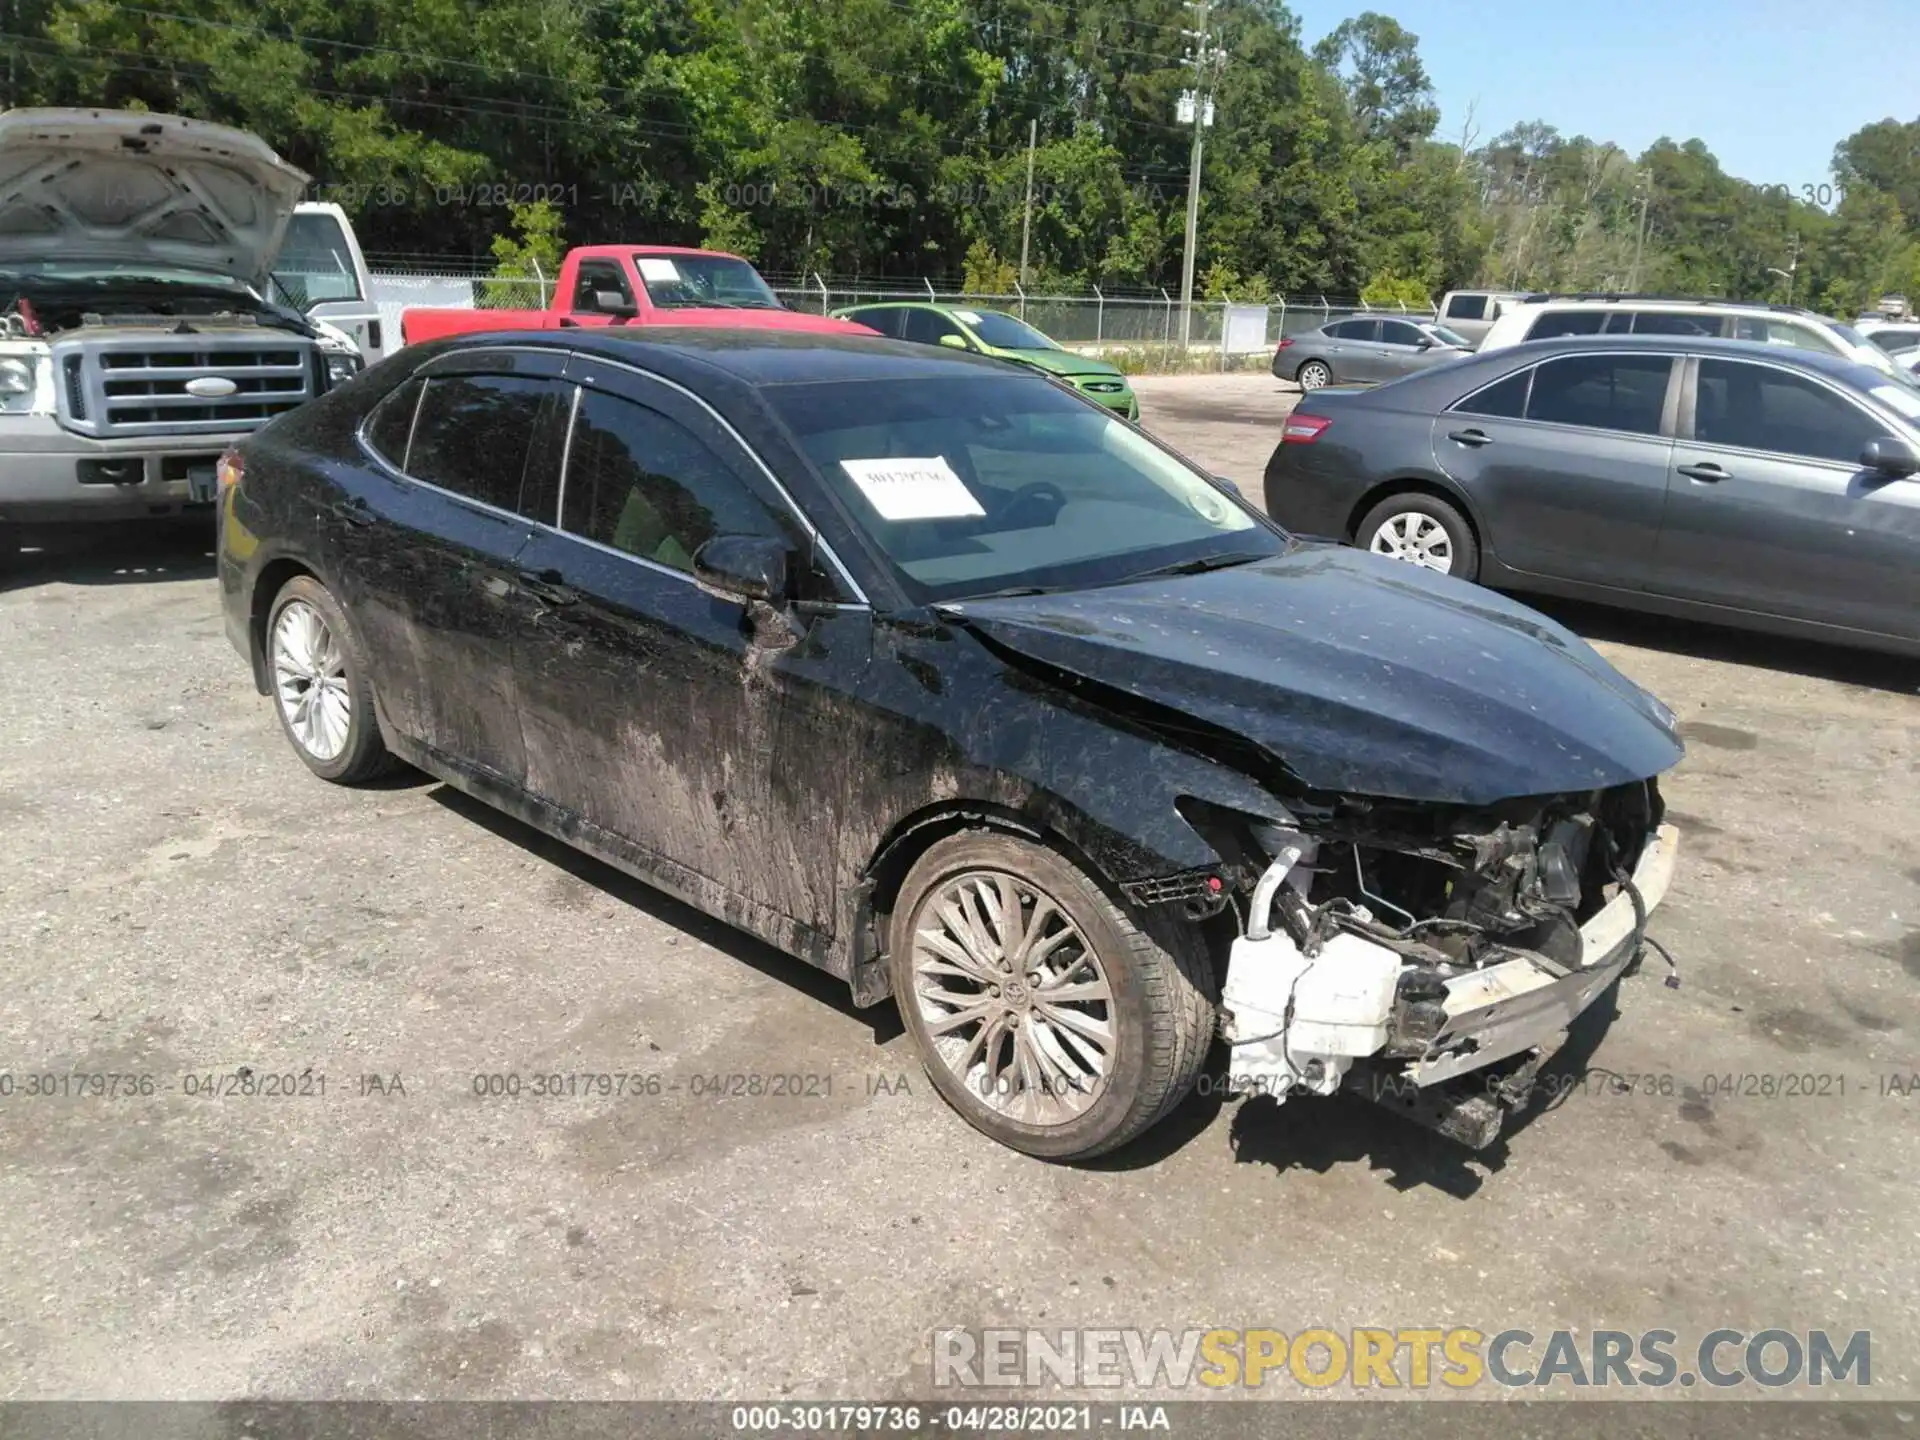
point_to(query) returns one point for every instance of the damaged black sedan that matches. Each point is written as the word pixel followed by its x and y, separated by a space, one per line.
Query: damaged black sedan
pixel 950 682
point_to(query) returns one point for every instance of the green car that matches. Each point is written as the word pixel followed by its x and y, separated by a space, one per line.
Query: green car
pixel 996 333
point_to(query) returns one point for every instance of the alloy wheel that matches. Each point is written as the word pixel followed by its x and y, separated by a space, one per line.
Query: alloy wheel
pixel 310 681
pixel 1314 375
pixel 1417 538
pixel 1013 999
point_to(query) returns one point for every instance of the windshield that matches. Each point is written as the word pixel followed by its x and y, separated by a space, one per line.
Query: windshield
pixel 1003 332
pixel 684 281
pixel 978 486
pixel 315 262
pixel 1449 337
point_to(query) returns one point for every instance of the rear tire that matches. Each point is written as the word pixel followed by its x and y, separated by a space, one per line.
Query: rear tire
pixel 1314 375
pixel 317 676
pixel 1423 530
pixel 1120 1042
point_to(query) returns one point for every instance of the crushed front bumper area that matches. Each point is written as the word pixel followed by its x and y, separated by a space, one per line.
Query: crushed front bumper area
pixel 1454 1047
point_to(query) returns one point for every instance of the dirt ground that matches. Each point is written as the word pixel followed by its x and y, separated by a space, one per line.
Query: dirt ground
pixel 179 899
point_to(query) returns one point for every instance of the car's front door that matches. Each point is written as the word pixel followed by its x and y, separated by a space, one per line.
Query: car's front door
pixel 421 548
pixel 1403 349
pixel 665 720
pixel 1769 510
pixel 1567 462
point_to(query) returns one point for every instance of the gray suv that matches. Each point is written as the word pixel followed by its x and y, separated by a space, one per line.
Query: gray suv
pixel 1749 484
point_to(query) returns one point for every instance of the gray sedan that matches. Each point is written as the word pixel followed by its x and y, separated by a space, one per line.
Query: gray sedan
pixel 1748 484
pixel 1367 348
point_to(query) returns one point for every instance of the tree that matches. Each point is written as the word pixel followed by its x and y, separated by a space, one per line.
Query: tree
pixel 1387 87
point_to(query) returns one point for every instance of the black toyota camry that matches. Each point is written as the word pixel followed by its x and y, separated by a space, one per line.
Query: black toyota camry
pixel 953 683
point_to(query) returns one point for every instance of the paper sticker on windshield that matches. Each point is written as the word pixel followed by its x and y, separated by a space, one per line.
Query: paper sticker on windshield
pixel 913 489
pixel 967 315
pixel 655 267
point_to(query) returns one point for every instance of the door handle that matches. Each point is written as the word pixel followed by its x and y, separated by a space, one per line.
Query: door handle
pixel 548 585
pixel 355 511
pixel 568 323
pixel 1706 472
pixel 1473 439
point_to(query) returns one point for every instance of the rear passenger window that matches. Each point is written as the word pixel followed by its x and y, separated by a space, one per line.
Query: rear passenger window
pixel 474 433
pixel 391 424
pixel 643 483
pixel 1504 399
pixel 1555 323
pixel 1656 322
pixel 1603 392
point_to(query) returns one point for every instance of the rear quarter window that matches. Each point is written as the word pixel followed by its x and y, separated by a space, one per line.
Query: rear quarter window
pixel 391 425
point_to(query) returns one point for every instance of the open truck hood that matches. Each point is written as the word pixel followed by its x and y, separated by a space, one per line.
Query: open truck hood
pixel 123 187
pixel 1361 676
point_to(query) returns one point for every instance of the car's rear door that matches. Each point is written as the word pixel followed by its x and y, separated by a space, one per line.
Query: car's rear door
pixel 666 722
pixel 1566 462
pixel 1355 351
pixel 421 544
pixel 1768 507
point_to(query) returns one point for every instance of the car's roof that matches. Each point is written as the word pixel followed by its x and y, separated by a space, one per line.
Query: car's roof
pixel 1701 344
pixel 1681 303
pixel 756 357
pixel 942 306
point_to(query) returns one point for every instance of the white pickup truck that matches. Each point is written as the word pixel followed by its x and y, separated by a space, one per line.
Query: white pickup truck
pixel 137 341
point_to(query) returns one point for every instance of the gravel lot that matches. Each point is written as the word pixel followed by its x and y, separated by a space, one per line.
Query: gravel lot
pixel 179 898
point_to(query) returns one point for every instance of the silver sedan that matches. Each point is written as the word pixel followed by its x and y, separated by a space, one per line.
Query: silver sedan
pixel 1367 349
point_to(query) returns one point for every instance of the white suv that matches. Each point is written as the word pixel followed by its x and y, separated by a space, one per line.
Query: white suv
pixel 1553 317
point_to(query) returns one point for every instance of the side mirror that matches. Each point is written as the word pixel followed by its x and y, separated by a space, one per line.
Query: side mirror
pixel 955 342
pixel 1891 455
pixel 612 302
pixel 743 567
pixel 1426 343
pixel 1225 484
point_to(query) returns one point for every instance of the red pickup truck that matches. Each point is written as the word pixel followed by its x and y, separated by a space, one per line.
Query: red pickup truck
pixel 637 285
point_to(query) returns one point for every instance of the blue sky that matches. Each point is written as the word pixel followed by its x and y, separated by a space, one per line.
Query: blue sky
pixel 1770 85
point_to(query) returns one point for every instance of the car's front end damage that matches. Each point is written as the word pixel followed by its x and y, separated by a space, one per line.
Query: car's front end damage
pixel 1473 834
pixel 1432 957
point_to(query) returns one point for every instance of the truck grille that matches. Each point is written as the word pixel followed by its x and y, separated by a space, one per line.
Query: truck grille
pixel 147 385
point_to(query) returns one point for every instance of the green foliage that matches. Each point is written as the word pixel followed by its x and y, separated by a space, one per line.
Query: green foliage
pixel 985 273
pixel 533 250
pixel 889 139
pixel 1388 289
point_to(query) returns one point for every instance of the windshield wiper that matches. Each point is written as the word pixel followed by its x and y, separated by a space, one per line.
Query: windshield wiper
pixel 1199 565
pixel 1008 593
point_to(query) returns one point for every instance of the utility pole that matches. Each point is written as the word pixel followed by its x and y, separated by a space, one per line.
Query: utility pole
pixel 1197 105
pixel 1026 220
pixel 1640 241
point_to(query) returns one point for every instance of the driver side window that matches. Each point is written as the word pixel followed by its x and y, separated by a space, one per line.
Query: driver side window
pixel 594 277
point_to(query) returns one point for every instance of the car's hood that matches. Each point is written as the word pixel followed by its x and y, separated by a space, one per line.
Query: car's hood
pixel 1061 362
pixel 121 187
pixel 719 316
pixel 1361 675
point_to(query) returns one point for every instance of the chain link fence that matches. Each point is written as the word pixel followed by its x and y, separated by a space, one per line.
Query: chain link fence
pixel 1141 330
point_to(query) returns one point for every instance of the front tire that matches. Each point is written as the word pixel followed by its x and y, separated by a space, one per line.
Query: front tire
pixel 1047 1015
pixel 319 684
pixel 1422 530
pixel 1314 375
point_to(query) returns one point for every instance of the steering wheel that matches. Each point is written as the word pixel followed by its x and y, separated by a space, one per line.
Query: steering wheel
pixel 1030 506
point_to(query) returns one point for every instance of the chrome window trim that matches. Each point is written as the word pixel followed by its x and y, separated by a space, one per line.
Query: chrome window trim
pixel 821 544
pixel 566 455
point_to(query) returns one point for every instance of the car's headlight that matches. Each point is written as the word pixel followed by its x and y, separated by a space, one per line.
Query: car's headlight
pixel 26 384
pixel 342 366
